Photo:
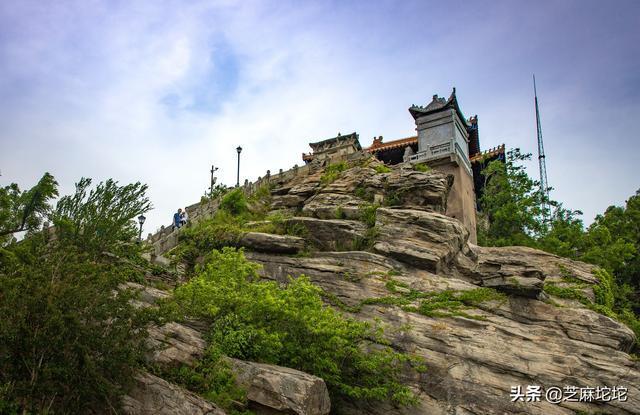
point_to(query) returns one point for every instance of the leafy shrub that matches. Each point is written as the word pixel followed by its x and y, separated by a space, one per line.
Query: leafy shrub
pixel 261 321
pixel 394 197
pixel 235 202
pixel 363 193
pixel 421 167
pixel 368 213
pixel 381 168
pixel 218 191
pixel 212 378
pixel 332 172
pixel 215 233
pixel 260 201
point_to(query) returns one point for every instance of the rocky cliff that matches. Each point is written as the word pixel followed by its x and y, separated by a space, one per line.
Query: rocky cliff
pixel 484 319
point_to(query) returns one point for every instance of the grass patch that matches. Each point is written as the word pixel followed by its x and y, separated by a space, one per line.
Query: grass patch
pixel 368 213
pixel 421 167
pixel 363 193
pixel 445 303
pixel 381 168
pixel 339 213
pixel 394 197
pixel 332 172
pixel 605 293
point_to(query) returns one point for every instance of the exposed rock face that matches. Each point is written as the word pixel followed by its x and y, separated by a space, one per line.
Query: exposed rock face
pixel 270 388
pixel 424 239
pixel 473 358
pixel 175 343
pixel 413 189
pixel 264 242
pixel 472 364
pixel 331 234
pixel 282 389
pixel 155 396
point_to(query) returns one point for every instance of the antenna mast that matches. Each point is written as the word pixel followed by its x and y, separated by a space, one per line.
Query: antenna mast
pixel 544 186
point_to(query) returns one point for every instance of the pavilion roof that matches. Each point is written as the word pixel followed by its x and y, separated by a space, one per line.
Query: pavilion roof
pixel 439 104
pixel 338 139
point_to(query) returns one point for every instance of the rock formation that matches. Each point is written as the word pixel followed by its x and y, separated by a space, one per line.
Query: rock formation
pixel 475 353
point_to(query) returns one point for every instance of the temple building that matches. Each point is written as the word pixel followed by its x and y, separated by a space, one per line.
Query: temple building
pixel 335 147
pixel 446 140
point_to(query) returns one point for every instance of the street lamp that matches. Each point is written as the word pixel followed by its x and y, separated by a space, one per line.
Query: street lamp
pixel 141 220
pixel 239 150
pixel 213 180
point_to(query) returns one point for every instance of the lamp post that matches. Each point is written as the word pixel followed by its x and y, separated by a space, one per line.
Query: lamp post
pixel 213 179
pixel 239 150
pixel 141 220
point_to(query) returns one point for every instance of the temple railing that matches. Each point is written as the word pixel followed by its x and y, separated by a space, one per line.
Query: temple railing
pixel 440 151
pixel 167 237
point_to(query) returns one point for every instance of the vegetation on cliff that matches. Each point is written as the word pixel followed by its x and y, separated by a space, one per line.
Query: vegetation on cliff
pixel 70 340
pixel 512 206
pixel 259 320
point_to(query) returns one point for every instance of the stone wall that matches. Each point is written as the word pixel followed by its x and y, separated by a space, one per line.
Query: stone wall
pixel 461 203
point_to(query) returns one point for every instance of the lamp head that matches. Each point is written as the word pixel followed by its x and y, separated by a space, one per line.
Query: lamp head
pixel 141 219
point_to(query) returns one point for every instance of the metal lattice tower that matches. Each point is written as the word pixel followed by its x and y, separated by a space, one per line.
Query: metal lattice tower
pixel 544 185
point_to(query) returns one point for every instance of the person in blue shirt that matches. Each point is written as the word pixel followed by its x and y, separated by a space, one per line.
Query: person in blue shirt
pixel 176 218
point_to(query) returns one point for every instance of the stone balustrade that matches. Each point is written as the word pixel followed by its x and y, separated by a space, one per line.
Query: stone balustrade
pixel 167 237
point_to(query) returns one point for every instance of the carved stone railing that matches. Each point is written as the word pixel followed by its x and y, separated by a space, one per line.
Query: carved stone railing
pixel 440 151
pixel 167 237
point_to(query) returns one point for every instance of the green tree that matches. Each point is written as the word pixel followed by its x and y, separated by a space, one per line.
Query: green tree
pixel 70 339
pixel 24 210
pixel 101 219
pixel 511 203
pixel 564 234
pixel 613 242
pixel 217 191
pixel 515 213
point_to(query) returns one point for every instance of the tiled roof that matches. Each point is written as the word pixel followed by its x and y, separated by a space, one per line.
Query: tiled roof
pixel 379 145
pixel 492 152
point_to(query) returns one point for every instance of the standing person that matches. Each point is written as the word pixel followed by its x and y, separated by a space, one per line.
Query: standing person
pixel 184 217
pixel 176 218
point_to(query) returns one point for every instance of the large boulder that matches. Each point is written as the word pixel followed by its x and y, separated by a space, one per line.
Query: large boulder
pixel 514 274
pixel 331 234
pixel 152 395
pixel 269 387
pixel 278 388
pixel 333 206
pixel 266 242
pixel 423 239
pixel 174 343
pixel 410 189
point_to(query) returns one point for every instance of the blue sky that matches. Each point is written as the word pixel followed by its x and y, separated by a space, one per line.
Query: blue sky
pixel 158 91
